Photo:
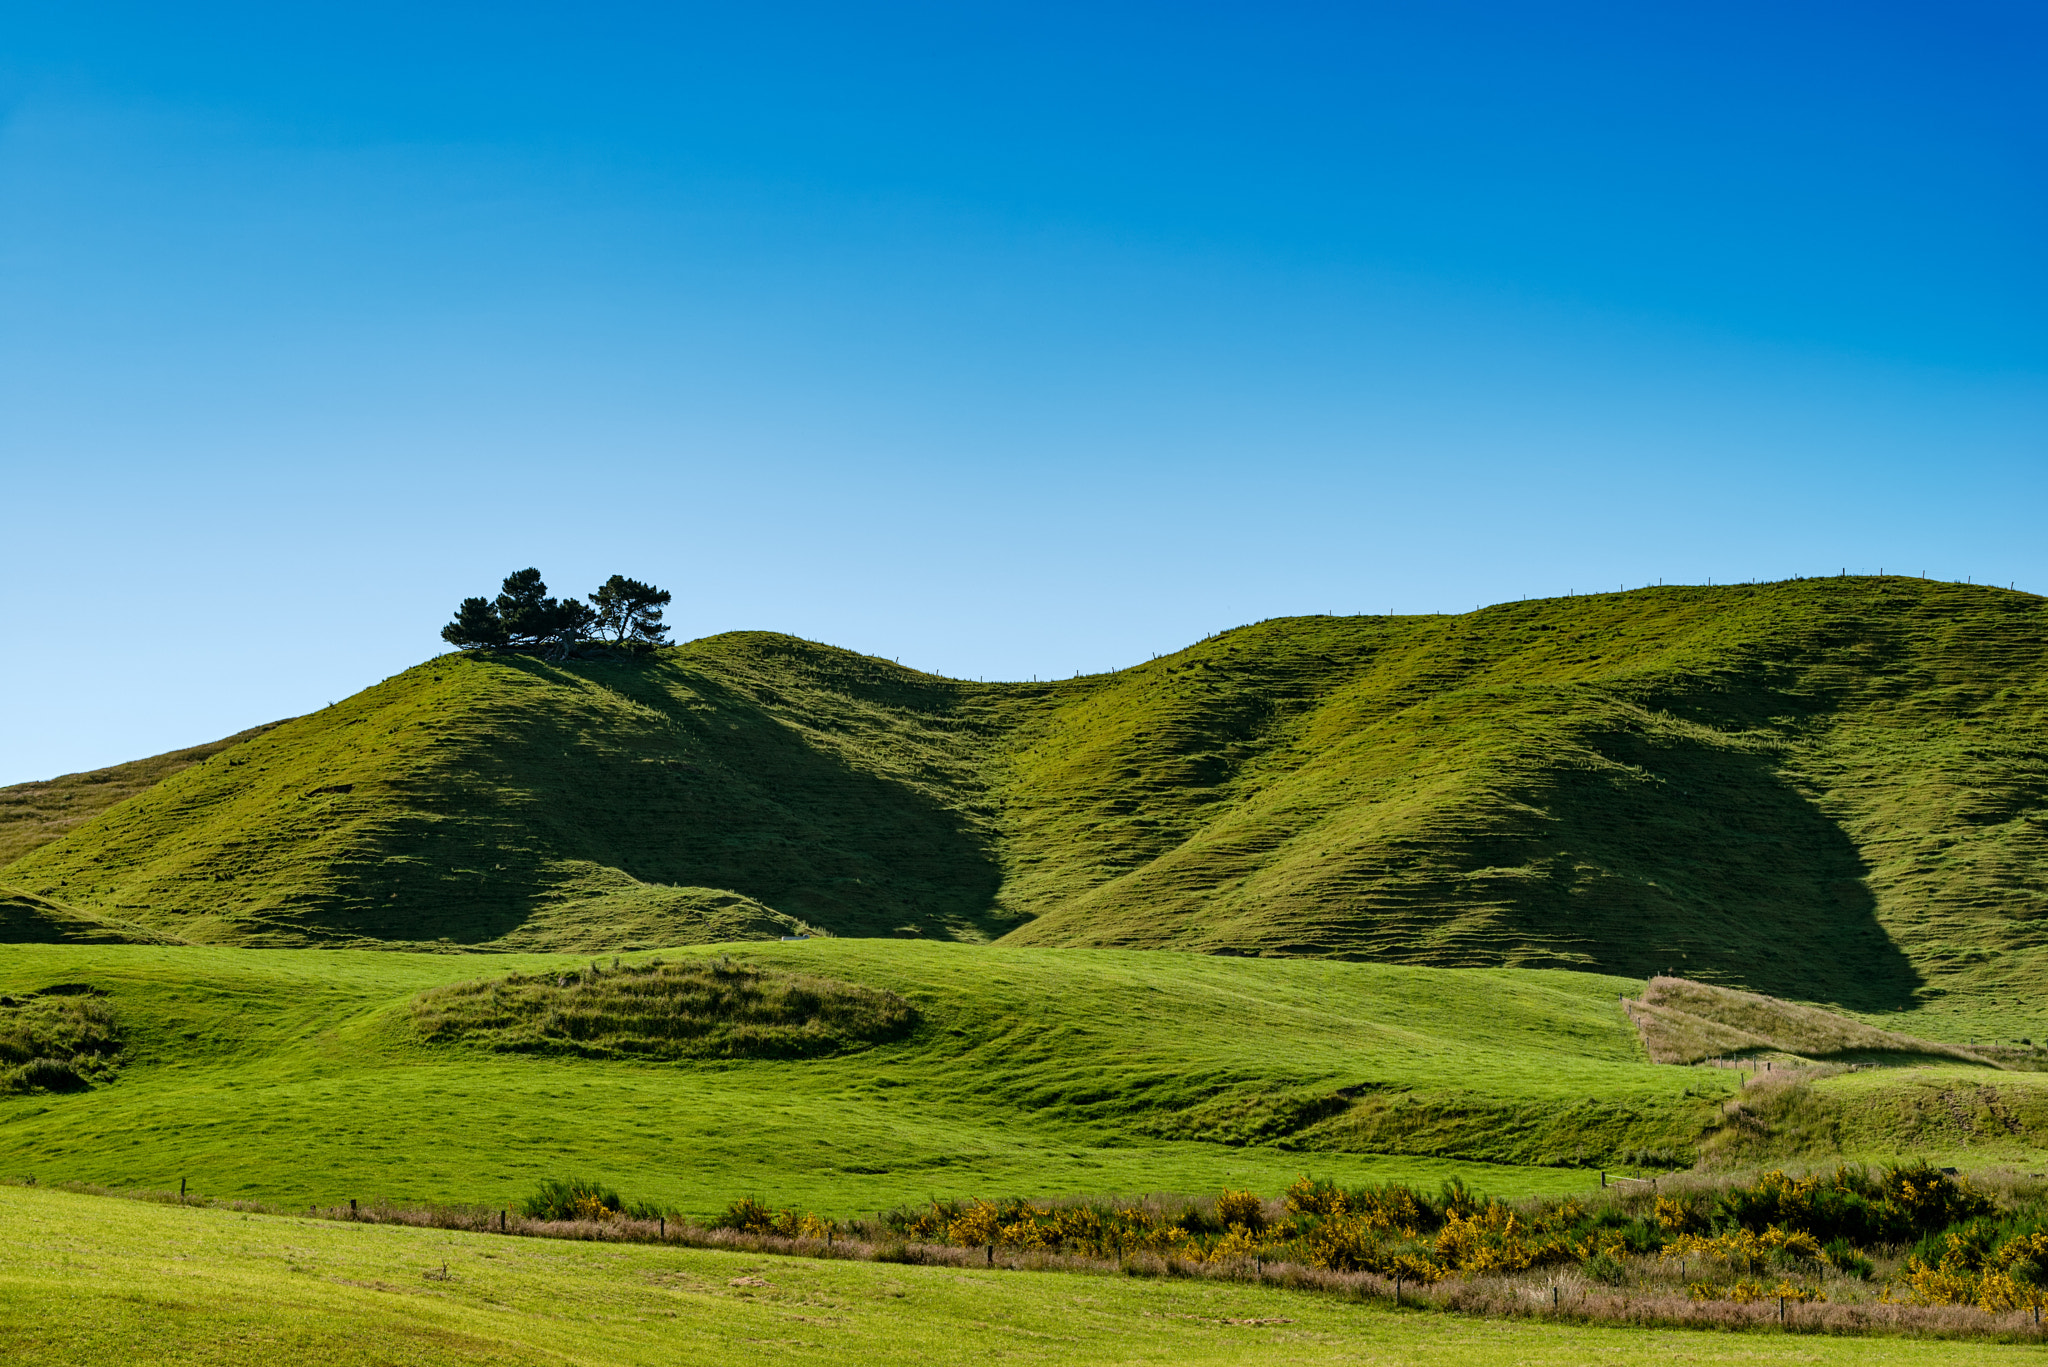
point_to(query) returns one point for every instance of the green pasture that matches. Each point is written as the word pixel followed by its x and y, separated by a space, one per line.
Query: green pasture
pixel 297 1075
pixel 92 1280
pixel 301 1076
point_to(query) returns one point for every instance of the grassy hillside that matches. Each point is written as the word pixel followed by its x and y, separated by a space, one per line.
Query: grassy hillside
pixel 88 1280
pixel 321 1075
pixel 34 814
pixel 1826 790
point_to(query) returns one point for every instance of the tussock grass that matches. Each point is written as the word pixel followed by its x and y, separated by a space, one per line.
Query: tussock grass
pixel 656 1010
pixel 61 1039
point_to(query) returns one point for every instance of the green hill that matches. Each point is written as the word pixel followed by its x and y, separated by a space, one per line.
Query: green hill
pixel 34 814
pixel 1828 790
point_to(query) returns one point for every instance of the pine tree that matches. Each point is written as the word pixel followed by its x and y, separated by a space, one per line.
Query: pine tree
pixel 477 626
pixel 524 607
pixel 533 619
pixel 629 610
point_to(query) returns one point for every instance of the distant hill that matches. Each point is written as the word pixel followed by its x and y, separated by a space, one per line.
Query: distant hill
pixel 1828 790
pixel 34 814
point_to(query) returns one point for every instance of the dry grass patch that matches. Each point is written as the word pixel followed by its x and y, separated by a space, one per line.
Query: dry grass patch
pixel 1687 1022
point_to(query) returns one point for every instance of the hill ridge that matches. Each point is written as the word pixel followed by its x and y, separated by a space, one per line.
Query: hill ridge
pixel 1830 790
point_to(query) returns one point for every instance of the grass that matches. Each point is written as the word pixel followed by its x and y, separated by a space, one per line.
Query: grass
pixel 303 1076
pixel 88 1280
pixel 1822 790
pixel 27 919
pixel 35 814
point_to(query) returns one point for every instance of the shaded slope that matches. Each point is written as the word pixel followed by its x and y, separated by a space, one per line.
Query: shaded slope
pixel 1828 790
pixel 34 814
pixel 26 919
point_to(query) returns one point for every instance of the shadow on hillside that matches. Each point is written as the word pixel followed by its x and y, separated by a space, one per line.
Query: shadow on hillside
pixel 1707 863
pixel 603 765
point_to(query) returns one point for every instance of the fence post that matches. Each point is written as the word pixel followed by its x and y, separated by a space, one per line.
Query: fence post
pixel 501 1221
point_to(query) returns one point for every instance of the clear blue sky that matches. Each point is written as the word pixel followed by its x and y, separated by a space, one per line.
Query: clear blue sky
pixel 1005 339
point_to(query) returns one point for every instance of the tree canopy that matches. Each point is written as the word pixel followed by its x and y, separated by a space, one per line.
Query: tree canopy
pixel 628 610
pixel 524 617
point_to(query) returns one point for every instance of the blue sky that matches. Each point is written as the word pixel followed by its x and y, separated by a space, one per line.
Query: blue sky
pixel 1006 340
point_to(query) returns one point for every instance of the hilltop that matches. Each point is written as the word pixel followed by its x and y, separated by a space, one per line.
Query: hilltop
pixel 1827 790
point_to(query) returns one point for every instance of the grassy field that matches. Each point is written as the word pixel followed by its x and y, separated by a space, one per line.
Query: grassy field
pixel 1827 790
pixel 92 1280
pixel 303 1076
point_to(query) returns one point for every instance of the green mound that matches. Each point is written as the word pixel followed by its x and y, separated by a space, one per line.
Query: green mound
pixel 661 1010
pixel 1825 790
pixel 61 1039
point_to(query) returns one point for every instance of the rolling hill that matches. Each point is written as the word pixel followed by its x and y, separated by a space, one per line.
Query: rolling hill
pixel 1829 790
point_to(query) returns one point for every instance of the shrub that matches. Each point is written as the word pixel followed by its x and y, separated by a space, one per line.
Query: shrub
pixel 1242 1208
pixel 48 1074
pixel 572 1198
pixel 1606 1269
pixel 1844 1257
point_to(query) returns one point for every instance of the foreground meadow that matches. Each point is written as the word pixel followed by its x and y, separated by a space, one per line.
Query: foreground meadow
pixel 88 1279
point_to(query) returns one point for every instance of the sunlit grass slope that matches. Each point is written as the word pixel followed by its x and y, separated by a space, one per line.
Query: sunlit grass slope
pixel 90 1280
pixel 34 814
pixel 306 1075
pixel 1826 790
